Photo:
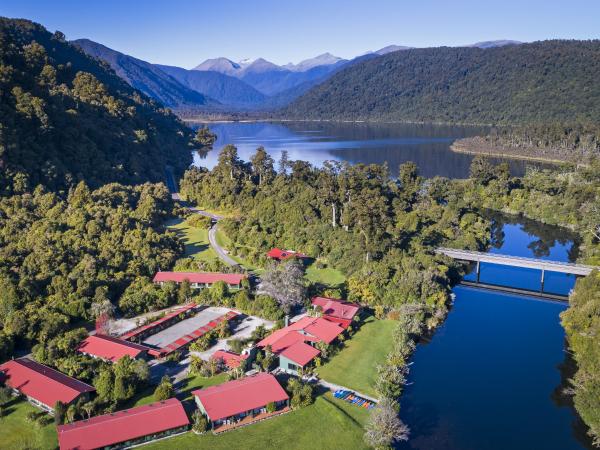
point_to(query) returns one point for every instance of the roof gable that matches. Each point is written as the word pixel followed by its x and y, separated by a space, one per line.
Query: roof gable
pixel 41 382
pixel 110 348
pixel 336 307
pixel 121 426
pixel 199 277
pixel 300 353
pixel 238 396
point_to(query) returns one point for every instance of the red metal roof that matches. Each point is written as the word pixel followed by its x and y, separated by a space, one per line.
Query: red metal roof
pixel 300 353
pixel 277 253
pixel 196 333
pixel 199 277
pixel 232 360
pixel 238 396
pixel 110 348
pixel 308 329
pixel 41 382
pixel 122 426
pixel 157 322
pixel 318 329
pixel 335 308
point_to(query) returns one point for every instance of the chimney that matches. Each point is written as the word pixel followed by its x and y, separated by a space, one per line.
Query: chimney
pixel 287 320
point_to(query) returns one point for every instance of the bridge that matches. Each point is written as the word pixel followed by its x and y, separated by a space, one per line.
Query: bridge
pixel 517 261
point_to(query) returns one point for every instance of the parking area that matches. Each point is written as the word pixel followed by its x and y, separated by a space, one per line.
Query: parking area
pixel 185 327
pixel 243 330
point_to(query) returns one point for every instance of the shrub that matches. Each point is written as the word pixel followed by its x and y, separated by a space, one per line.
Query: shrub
pixel 235 345
pixel 5 395
pixel 271 407
pixel 199 221
pixel 200 422
pixel 164 390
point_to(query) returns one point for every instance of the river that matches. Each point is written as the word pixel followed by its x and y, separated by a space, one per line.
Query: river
pixel 426 145
pixel 492 375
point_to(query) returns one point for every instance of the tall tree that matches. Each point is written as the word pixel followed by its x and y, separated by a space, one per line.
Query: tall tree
pixel 262 165
pixel 384 427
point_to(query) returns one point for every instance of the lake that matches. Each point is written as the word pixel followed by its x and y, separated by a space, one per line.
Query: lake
pixel 491 377
pixel 426 145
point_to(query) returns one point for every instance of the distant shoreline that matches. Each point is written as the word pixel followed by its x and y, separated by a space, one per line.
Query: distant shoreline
pixel 504 154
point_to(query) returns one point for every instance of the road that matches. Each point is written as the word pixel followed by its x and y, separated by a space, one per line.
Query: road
pixel 212 233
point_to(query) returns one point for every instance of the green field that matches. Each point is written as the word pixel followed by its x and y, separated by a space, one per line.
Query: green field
pixel 18 433
pixel 327 276
pixel 225 241
pixel 185 389
pixel 195 240
pixel 193 383
pixel 327 424
pixel 355 366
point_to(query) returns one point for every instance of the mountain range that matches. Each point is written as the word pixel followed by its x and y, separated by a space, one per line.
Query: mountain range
pixel 225 85
pixel 552 81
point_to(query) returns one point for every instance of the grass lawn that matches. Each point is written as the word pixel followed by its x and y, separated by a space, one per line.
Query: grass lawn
pixel 327 424
pixel 355 366
pixel 225 241
pixel 327 276
pixel 195 240
pixel 185 387
pixel 192 383
pixel 18 433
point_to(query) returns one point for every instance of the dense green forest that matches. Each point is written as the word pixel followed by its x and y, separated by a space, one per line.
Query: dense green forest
pixel 356 218
pixel 64 117
pixel 541 82
pixel 380 232
pixel 61 258
pixel 575 142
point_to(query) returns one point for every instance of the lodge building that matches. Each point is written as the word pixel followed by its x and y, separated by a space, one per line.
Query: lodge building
pixel 42 385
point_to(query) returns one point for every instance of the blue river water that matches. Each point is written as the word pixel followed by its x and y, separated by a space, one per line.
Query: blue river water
pixel 491 377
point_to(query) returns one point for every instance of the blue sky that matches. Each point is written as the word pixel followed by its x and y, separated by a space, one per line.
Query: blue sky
pixel 185 32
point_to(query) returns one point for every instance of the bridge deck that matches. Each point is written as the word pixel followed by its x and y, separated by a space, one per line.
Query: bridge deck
pixel 518 261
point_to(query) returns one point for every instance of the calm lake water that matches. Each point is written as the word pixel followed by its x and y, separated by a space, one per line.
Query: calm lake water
pixel 426 145
pixel 492 376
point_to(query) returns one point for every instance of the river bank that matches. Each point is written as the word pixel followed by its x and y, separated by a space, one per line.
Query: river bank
pixel 480 146
pixel 502 353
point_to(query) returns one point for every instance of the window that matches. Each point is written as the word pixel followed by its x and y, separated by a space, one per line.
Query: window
pixel 293 366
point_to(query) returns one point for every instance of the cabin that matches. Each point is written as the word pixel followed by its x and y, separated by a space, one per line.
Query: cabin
pixel 282 255
pixel 241 402
pixel 337 310
pixel 295 344
pixel 42 385
pixel 200 280
pixel 126 428
pixel 230 359
pixel 112 349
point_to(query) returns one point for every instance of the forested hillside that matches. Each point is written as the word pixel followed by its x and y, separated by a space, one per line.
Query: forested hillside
pixel 64 117
pixel 145 76
pixel 530 83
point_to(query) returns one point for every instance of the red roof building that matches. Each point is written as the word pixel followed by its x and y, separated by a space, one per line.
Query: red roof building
pixel 236 400
pixel 282 255
pixel 200 279
pixel 111 349
pixel 231 360
pixel 130 426
pixel 306 331
pixel 336 310
pixel 159 324
pixel 42 385
pixel 299 353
